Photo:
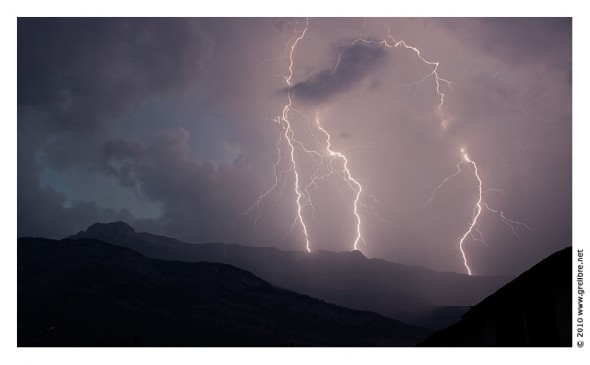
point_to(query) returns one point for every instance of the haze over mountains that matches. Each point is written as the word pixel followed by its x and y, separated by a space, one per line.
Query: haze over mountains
pixel 411 294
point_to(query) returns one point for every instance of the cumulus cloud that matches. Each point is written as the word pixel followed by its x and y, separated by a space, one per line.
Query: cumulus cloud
pixel 201 199
pixel 77 79
pixel 83 75
pixel 44 211
pixel 86 69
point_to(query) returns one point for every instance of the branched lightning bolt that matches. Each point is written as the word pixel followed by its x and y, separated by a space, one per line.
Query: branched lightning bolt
pixel 277 178
pixel 473 231
pixel 354 184
pixel 288 133
pixel 326 168
pixel 433 73
pixel 431 64
pixel 444 181
pixel 509 222
pixel 477 209
pixel 325 161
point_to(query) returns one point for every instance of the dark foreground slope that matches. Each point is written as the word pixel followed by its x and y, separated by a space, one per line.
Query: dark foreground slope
pixel 90 293
pixel 534 309
pixel 409 293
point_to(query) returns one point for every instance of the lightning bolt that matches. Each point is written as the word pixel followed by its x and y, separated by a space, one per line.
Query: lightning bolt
pixel 432 65
pixel 354 184
pixel 473 230
pixel 277 178
pixel 288 134
pixel 477 209
pixel 325 161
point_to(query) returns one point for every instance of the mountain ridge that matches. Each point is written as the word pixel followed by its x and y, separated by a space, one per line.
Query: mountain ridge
pixel 412 293
pixel 87 292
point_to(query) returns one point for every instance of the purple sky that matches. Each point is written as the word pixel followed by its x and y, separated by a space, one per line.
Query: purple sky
pixel 170 126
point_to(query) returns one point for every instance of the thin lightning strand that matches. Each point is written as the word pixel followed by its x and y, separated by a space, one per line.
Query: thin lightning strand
pixel 289 133
pixel 431 64
pixel 476 211
pixel 434 73
pixel 445 181
pixel 509 222
pixel 257 202
pixel 289 136
pixel 351 181
pixel 473 231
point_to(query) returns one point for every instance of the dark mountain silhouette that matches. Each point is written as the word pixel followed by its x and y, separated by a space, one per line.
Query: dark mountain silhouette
pixel 535 309
pixel 89 293
pixel 413 294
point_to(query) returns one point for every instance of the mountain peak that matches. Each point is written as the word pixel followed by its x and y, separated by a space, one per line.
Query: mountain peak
pixel 117 228
pixel 353 255
pixel 357 253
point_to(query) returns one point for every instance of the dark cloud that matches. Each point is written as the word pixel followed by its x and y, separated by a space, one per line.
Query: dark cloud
pixel 201 199
pixel 86 69
pixel 77 78
pixel 84 74
pixel 120 158
pixel 134 105
pixel 44 211
pixel 354 63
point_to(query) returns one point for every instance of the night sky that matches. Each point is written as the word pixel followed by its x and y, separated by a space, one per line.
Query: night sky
pixel 171 125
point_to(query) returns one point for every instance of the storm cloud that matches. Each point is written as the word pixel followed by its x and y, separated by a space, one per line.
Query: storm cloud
pixel 171 125
pixel 76 79
pixel 354 63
